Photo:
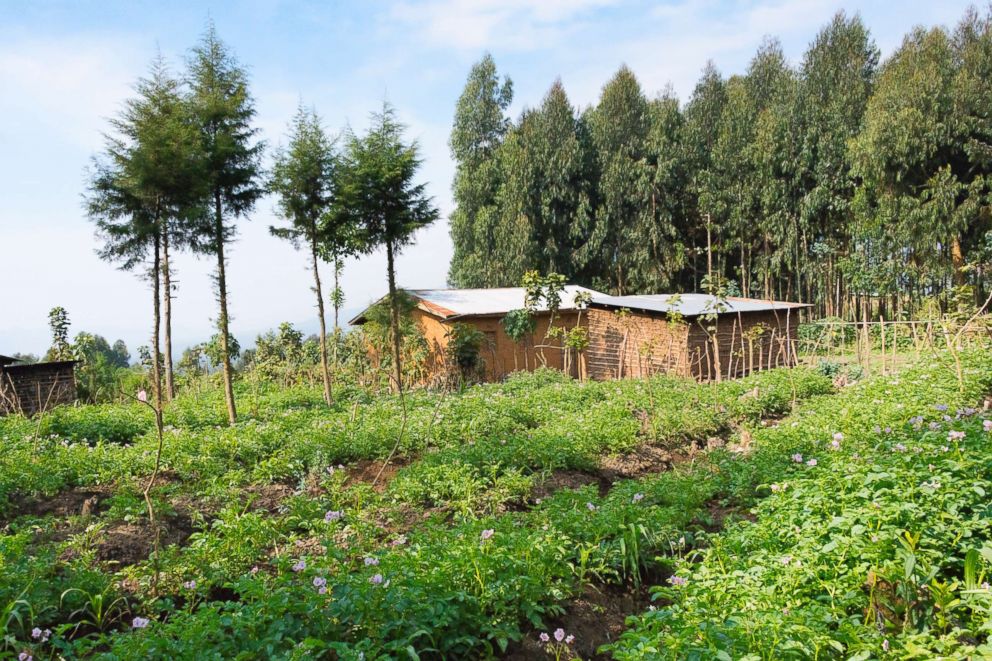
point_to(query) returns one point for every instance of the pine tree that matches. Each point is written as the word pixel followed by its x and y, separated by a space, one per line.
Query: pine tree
pixel 145 187
pixel 303 178
pixel 377 193
pixel 224 111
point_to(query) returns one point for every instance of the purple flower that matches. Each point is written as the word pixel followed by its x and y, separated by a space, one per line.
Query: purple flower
pixel 544 637
pixel 36 633
pixel 371 562
pixel 638 497
pixel 142 396
pixel 487 534
pixel 319 581
pixel 333 515
pixel 399 541
pixel 835 445
pixel 300 566
pixel 559 634
pixel 254 570
pixel 798 458
pixel 139 623
pixel 24 656
pixel 322 590
pixel 838 437
pixel 934 426
pixel 885 645
pixel 591 507
pixel 955 435
pixel 569 639
pixel 987 425
pixel 678 581
pixel 888 430
pixel 376 579
pixel 941 407
pixel 811 462
pixel 899 447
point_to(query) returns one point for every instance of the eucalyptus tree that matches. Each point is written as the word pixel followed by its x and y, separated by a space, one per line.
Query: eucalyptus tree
pixel 480 124
pixel 619 127
pixel 660 251
pixel 911 157
pixel 303 180
pixel 515 236
pixel 377 193
pixel 836 79
pixel 564 195
pixel 707 208
pixel 224 111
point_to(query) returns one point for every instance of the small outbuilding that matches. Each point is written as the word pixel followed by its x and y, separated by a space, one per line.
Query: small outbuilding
pixel 438 310
pixel 29 388
pixel 693 335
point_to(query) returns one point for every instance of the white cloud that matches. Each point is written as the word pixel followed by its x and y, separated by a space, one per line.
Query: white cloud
pixel 507 24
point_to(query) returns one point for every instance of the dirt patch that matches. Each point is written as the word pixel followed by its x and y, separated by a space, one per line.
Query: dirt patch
pixel 123 544
pixel 78 501
pixel 595 618
pixel 364 471
pixel 267 497
pixel 719 513
pixel 568 479
pixel 642 461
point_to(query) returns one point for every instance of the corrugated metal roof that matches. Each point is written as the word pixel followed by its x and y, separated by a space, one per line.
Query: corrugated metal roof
pixel 454 303
pixel 692 305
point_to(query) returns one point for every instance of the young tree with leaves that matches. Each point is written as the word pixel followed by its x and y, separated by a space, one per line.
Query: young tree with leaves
pixel 303 179
pixel 377 193
pixel 224 111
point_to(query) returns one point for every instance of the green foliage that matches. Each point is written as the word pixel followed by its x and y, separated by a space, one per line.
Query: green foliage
pixel 58 322
pixel 837 178
pixel 465 343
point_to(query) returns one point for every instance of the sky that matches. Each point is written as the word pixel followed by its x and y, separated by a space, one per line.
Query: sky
pixel 67 67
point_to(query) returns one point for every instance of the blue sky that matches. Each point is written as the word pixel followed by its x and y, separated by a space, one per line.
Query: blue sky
pixel 65 67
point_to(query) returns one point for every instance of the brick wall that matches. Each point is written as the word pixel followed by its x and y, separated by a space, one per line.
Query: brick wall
pixel 29 389
pixel 501 354
pixel 747 342
pixel 639 344
pixel 634 345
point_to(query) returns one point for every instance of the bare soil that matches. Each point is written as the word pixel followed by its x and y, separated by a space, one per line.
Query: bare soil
pixel 595 618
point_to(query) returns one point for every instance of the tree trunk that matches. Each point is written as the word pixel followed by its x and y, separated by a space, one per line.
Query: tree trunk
pixel 170 384
pixel 957 260
pixel 157 320
pixel 325 372
pixel 337 307
pixel 394 306
pixel 222 322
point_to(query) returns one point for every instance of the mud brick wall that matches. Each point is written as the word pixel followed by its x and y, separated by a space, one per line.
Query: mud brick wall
pixel 635 345
pixel 639 344
pixel 29 389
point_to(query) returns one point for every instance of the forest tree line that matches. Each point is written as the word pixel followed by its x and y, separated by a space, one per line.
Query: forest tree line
pixel 858 185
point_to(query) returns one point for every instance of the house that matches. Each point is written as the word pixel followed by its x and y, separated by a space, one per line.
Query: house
pixel 437 310
pixel 694 335
pixel 32 387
